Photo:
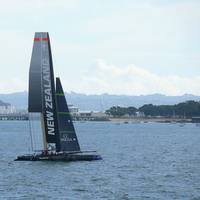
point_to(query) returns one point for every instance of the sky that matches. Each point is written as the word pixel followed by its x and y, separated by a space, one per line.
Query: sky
pixel 105 46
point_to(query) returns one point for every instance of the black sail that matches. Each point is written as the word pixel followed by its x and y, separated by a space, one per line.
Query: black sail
pixel 35 77
pixel 68 138
pixel 42 87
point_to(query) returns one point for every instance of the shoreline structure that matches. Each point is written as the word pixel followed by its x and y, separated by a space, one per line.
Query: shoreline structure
pixel 150 119
pixel 24 116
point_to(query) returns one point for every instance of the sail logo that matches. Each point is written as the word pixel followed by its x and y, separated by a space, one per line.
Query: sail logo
pixel 67 139
pixel 48 102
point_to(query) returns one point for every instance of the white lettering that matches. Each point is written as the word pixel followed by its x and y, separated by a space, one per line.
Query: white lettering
pixel 48 97
pixel 45 61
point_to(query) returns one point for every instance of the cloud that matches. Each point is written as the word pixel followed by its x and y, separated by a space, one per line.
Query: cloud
pixel 108 78
pixel 134 80
pixel 10 85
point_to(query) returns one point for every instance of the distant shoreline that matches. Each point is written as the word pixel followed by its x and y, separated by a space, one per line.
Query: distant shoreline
pixel 22 117
pixel 146 120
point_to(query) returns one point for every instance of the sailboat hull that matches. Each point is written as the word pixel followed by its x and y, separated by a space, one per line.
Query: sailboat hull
pixel 67 157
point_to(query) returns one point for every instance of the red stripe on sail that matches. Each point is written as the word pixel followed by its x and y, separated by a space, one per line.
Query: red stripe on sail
pixel 36 39
pixel 45 39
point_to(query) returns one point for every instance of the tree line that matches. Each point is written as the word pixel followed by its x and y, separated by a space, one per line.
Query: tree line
pixel 185 109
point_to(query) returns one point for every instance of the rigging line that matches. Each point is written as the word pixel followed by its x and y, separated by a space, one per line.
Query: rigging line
pixel 33 128
pixel 31 137
pixel 27 131
pixel 36 130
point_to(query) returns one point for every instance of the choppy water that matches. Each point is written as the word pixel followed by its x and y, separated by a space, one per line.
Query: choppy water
pixel 140 161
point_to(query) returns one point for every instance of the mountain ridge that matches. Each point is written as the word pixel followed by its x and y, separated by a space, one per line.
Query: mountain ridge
pixel 104 101
pixel 2 103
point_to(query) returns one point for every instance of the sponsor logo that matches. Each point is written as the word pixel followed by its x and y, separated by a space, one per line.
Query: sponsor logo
pixel 48 102
pixel 67 139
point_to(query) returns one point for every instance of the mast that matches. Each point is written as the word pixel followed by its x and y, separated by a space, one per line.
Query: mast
pixel 43 132
pixel 42 89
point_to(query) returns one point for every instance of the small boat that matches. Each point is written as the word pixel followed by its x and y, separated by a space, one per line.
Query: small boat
pixel 60 142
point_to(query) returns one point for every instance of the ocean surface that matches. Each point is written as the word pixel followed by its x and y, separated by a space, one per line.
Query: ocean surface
pixel 140 161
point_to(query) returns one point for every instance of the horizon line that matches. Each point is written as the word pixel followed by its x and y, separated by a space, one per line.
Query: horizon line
pixel 71 92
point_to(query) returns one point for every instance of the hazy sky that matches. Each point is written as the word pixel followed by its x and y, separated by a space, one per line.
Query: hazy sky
pixel 105 46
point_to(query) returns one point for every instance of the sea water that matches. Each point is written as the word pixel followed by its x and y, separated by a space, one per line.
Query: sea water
pixel 140 161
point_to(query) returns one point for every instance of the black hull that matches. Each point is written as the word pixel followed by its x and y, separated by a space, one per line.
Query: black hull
pixel 66 157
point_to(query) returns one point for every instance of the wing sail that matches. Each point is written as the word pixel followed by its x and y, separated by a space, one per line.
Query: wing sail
pixel 42 87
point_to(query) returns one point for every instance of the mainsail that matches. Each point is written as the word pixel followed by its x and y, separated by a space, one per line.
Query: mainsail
pixel 42 89
pixel 68 138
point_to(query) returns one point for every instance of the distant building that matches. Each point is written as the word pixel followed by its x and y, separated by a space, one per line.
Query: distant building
pixel 85 113
pixel 73 110
pixel 139 114
pixel 196 119
pixel 7 109
pixel 98 114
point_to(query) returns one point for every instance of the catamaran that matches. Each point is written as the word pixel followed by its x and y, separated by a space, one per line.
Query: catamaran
pixel 60 142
